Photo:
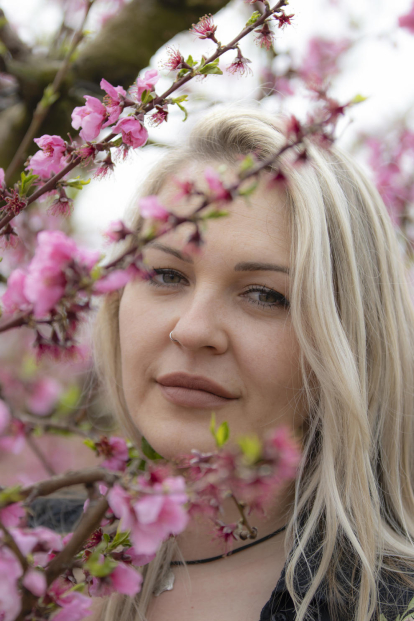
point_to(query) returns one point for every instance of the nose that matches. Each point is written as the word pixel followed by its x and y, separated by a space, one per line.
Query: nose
pixel 202 323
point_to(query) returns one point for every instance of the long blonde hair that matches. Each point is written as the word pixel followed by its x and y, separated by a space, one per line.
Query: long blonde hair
pixel 354 319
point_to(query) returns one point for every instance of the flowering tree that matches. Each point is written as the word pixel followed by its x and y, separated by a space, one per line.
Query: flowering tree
pixel 135 499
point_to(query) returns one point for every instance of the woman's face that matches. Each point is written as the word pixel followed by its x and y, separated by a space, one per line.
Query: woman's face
pixel 228 308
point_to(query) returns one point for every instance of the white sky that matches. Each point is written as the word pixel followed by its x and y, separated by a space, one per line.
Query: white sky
pixel 379 67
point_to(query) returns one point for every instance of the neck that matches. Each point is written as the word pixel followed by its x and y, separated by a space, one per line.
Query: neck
pixel 200 541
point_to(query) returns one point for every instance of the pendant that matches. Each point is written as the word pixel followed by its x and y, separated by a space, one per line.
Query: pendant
pixel 166 584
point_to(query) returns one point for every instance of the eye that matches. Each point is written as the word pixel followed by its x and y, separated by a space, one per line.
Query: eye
pixel 267 298
pixel 162 277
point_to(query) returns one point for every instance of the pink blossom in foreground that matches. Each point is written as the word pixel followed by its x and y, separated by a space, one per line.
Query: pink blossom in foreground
pixel 175 59
pixel 10 572
pixel 116 280
pixel 150 207
pixel 44 394
pixel 160 116
pixel 12 515
pixel 216 185
pixel 74 605
pixel 1 178
pixel 133 133
pixel 51 157
pixel 14 298
pixel 116 452
pixel 35 581
pixel 113 101
pixel 205 28
pixel 124 579
pixel 138 560
pixel 151 518
pixel 147 83
pixel 407 20
pixel 282 446
pixel 117 231
pixel 90 117
pixel 15 441
pixel 5 417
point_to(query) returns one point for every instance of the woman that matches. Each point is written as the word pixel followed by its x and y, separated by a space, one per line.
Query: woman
pixel 298 311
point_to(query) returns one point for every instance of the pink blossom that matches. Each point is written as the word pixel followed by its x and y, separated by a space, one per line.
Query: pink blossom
pixel 14 298
pixel 51 157
pixel 147 83
pixel 117 231
pixel 139 560
pixel 321 60
pixel 407 20
pixel 216 185
pixel 15 441
pixel 12 515
pixel 113 101
pixel 90 117
pixel 283 19
pixel 264 36
pixel 44 395
pixel 175 59
pixel 1 178
pixel 126 580
pixel 151 518
pixel 240 65
pixel 116 280
pixel 281 445
pixel 205 28
pixel 116 452
pixel 74 605
pixel 10 572
pixel 5 417
pixel 133 133
pixel 160 116
pixel 35 581
pixel 150 207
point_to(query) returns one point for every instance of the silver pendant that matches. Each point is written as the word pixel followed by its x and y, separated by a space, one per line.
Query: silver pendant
pixel 166 584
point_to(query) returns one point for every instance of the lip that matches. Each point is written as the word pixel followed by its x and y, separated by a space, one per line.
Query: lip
pixel 195 383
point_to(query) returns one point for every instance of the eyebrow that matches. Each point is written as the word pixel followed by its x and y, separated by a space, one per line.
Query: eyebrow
pixel 245 266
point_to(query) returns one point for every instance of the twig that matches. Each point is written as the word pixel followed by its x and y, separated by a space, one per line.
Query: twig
pixel 39 454
pixel 240 507
pixel 90 522
pixel 47 425
pixel 10 542
pixel 43 106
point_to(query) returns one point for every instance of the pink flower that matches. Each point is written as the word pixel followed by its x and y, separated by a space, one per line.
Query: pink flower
pixel 139 560
pixel 280 445
pixel 147 83
pixel 51 158
pixel 283 19
pixel 14 298
pixel 44 396
pixel 133 133
pixel 116 280
pixel 116 452
pixel 240 65
pixel 126 580
pixel 35 581
pixel 10 572
pixel 5 417
pixel 407 20
pixel 117 231
pixel 264 36
pixel 1 178
pixel 151 518
pixel 159 116
pixel 321 60
pixel 205 28
pixel 150 207
pixel 12 515
pixel 113 101
pixel 90 117
pixel 175 59
pixel 216 185
pixel 74 606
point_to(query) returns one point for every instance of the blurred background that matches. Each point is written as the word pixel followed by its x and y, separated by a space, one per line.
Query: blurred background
pixel 349 47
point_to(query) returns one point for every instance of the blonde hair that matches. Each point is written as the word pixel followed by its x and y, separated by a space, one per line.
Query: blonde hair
pixel 354 319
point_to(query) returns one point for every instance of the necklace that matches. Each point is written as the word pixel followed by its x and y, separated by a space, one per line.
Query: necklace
pixel 167 582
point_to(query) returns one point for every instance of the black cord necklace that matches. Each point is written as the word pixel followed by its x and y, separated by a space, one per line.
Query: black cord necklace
pixel 215 558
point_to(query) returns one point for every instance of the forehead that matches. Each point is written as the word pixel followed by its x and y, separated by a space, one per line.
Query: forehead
pixel 259 223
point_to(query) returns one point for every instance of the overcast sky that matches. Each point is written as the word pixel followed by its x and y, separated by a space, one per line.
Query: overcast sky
pixel 379 67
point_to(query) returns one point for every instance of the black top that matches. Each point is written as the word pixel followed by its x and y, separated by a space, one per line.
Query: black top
pixel 393 597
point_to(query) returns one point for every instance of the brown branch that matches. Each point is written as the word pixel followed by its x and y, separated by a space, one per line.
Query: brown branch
pixel 47 425
pixel 240 506
pixel 43 106
pixel 39 454
pixel 90 522
pixel 15 322
pixel 10 542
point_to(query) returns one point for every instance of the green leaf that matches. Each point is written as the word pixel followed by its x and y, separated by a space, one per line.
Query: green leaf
pixel 98 568
pixel 182 73
pixel 69 400
pixel 106 538
pixel 191 62
pixel 216 213
pixel 121 539
pixel 90 443
pixel 222 434
pixel 251 448
pixel 133 452
pixel 96 272
pixel 357 99
pixel 26 181
pixel 77 183
pixel 178 101
pixel 211 68
pixel 253 18
pixel 146 97
pixel 249 189
pixel 10 495
pixel 148 450
pixel 116 143
pixel 49 96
